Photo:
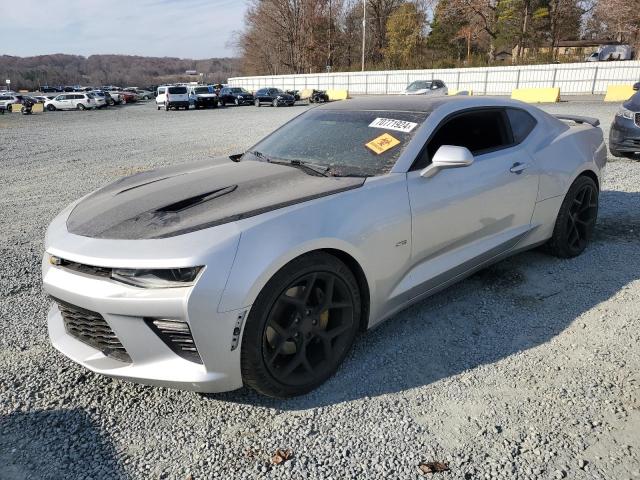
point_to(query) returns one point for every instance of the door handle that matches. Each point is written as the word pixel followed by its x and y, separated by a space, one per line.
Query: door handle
pixel 518 167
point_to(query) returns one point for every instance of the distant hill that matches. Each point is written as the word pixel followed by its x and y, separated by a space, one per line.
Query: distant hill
pixel 122 70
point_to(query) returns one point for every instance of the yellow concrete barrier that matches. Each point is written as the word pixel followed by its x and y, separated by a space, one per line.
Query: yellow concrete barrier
pixel 37 108
pixel 618 93
pixel 337 94
pixel 305 93
pixel 536 95
pixel 462 91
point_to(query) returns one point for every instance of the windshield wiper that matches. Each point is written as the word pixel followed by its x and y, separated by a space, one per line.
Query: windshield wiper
pixel 308 166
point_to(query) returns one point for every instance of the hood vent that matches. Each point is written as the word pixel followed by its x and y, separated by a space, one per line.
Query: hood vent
pixel 197 200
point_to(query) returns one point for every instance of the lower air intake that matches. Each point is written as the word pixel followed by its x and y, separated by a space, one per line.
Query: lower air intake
pixel 177 336
pixel 91 328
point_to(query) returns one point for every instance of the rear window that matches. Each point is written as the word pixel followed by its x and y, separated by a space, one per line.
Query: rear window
pixel 521 123
pixel 177 90
pixel 419 85
pixel 351 143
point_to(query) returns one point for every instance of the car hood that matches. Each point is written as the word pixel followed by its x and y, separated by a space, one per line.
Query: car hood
pixel 633 103
pixel 181 199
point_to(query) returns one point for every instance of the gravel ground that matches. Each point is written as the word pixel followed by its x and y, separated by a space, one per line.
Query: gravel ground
pixel 527 370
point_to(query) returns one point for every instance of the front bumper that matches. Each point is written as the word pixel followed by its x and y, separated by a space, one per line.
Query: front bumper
pixel 179 104
pixel 624 135
pixel 126 310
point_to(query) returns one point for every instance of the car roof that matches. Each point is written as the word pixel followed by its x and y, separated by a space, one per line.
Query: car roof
pixel 417 103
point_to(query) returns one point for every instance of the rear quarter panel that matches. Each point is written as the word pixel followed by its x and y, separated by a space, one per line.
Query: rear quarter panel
pixel 563 152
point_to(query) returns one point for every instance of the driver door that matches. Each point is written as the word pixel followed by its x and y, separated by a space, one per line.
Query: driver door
pixel 463 217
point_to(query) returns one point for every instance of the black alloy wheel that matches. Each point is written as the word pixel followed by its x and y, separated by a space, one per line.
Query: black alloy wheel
pixel 311 318
pixel 576 220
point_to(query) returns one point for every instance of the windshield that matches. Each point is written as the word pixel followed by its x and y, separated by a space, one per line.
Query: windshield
pixel 349 143
pixel 201 90
pixel 419 85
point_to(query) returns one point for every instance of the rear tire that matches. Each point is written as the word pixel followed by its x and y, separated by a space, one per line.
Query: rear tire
pixel 81 107
pixel 256 102
pixel 301 326
pixel 576 219
pixel 274 103
pixel 237 102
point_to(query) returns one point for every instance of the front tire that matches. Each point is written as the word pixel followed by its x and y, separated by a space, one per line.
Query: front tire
pixel 51 108
pixel 576 219
pixel 301 326
pixel 274 103
pixel 256 102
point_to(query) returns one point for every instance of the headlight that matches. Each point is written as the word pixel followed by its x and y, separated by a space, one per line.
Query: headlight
pixel 624 113
pixel 157 278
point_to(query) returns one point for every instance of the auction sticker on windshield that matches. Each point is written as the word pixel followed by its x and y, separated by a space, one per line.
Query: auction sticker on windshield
pixel 392 124
pixel 382 143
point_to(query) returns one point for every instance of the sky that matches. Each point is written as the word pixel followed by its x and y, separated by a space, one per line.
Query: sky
pixel 158 28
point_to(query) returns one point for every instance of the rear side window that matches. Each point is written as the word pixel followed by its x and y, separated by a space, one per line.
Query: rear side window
pixel 177 90
pixel 480 131
pixel 522 123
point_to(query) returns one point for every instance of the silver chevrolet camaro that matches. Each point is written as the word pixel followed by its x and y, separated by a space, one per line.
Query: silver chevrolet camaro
pixel 260 269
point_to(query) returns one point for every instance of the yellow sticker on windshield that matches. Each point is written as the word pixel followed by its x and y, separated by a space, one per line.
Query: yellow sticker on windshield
pixel 382 143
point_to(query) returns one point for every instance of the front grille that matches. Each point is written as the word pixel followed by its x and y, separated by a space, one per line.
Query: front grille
pixel 637 119
pixel 91 328
pixel 177 336
pixel 86 269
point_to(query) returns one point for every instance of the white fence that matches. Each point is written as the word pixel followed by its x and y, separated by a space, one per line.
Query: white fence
pixel 572 78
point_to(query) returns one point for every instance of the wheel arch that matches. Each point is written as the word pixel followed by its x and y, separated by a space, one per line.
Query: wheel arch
pixel 361 278
pixel 591 174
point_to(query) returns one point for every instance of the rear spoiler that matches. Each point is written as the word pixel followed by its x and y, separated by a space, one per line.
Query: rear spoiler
pixel 594 122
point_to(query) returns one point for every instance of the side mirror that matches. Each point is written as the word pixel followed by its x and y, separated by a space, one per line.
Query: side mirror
pixel 636 86
pixel 448 156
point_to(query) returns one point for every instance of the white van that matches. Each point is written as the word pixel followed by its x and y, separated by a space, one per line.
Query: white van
pixel 71 101
pixel 170 96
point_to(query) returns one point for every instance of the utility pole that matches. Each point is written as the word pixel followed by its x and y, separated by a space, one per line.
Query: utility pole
pixel 329 64
pixel 364 28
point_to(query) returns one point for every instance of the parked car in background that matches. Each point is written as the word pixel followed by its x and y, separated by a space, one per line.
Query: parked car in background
pixel 116 96
pixel 235 96
pixel 273 96
pixel 169 97
pixel 606 53
pixel 127 97
pixel 636 86
pixel 71 101
pixel 141 93
pixel 624 134
pixel 426 87
pixel 100 98
pixel 47 89
pixel 7 100
pixel 295 93
pixel 202 96
pixel 318 96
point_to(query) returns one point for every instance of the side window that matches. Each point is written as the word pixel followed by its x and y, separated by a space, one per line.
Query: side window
pixel 522 123
pixel 480 131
